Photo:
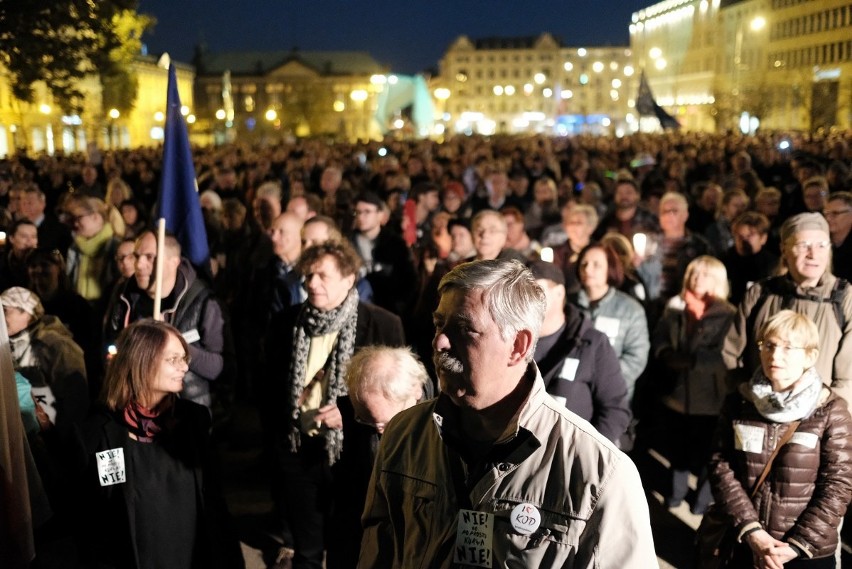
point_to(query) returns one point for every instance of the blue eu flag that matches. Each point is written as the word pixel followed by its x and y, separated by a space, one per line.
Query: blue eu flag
pixel 178 203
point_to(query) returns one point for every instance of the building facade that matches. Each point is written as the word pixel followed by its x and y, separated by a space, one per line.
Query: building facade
pixel 42 127
pixel 288 93
pixel 747 64
pixel 535 84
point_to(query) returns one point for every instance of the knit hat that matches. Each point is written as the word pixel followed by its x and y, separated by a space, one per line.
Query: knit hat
pixel 547 271
pixel 23 299
pixel 803 222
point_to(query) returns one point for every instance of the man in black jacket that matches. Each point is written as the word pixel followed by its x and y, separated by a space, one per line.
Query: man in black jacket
pixel 387 261
pixel 309 348
pixel 577 363
pixel 187 304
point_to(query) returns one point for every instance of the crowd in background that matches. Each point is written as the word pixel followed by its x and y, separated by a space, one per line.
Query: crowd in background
pixel 645 245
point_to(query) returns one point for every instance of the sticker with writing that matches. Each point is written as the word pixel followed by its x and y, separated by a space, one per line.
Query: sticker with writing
pixel 474 536
pixel 608 326
pixel 569 369
pixel 111 466
pixel 748 438
pixel 808 440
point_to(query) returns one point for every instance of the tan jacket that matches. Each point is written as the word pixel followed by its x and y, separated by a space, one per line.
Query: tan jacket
pixel 588 493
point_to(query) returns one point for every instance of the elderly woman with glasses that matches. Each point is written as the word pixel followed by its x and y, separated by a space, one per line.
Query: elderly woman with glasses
pixel 149 487
pixel 809 288
pixel 780 471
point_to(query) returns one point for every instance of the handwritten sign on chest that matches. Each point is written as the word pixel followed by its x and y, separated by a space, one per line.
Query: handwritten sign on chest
pixel 111 466
pixel 474 537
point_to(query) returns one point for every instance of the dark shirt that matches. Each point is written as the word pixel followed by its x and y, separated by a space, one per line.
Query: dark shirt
pixel 842 259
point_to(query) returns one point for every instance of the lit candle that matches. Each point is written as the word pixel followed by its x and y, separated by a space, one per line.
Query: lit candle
pixel 640 241
pixel 546 254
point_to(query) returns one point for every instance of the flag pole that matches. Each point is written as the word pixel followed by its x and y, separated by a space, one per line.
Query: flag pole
pixel 158 283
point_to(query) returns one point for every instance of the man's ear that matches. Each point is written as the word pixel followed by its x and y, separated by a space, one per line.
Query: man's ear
pixel 521 347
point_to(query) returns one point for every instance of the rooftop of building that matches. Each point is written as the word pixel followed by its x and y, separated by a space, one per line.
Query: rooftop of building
pixel 262 62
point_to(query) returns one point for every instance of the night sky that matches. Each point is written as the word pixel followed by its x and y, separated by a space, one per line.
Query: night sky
pixel 409 36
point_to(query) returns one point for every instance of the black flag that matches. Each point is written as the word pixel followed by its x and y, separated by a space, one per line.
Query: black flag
pixel 648 107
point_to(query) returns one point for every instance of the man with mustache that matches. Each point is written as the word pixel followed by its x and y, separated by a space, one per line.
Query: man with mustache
pixel 495 472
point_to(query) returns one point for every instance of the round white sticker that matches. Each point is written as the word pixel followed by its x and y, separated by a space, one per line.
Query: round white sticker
pixel 525 518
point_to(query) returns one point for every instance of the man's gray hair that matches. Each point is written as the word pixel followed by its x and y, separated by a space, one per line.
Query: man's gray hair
pixel 513 298
pixel 394 372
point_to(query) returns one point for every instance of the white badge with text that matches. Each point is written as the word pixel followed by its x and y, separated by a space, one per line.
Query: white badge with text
pixel 474 537
pixel 808 440
pixel 111 467
pixel 569 369
pixel 191 336
pixel 608 326
pixel 748 438
pixel 525 519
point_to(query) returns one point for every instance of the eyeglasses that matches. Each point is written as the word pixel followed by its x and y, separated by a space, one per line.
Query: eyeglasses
pixel 175 360
pixel 804 246
pixel 770 347
pixel 377 426
pixel 836 213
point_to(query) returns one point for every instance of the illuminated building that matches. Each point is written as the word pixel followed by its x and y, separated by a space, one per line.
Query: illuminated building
pixel 41 126
pixel 535 84
pixel 288 93
pixel 747 64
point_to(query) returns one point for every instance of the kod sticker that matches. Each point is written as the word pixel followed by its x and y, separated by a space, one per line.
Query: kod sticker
pixel 474 537
pixel 111 467
pixel 525 519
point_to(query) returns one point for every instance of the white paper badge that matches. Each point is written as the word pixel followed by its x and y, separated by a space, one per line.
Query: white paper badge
pixel 525 518
pixel 191 336
pixel 111 467
pixel 569 369
pixel 808 440
pixel 608 326
pixel 748 438
pixel 474 536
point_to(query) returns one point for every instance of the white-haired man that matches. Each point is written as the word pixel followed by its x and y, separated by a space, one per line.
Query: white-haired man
pixel 495 472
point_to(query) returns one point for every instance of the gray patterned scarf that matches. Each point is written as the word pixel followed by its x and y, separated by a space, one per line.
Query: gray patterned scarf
pixel 785 406
pixel 311 323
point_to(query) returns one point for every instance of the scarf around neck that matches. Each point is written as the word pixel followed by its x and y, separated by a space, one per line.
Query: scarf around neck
pixel 312 322
pixel 785 406
pixel 94 259
pixel 146 423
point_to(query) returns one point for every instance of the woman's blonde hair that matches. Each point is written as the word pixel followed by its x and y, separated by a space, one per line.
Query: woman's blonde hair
pixel 792 327
pixel 715 269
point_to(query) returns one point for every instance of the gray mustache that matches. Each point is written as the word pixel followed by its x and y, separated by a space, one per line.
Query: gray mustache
pixel 448 363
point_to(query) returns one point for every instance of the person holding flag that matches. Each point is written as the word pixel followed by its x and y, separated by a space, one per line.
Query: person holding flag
pixel 165 284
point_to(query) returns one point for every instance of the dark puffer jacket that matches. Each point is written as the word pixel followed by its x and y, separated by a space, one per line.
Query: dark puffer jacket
pixel 809 486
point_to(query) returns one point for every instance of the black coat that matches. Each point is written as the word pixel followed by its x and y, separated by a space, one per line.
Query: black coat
pixel 596 391
pixel 392 274
pixel 107 533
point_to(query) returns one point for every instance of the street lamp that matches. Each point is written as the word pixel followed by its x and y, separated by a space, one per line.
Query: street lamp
pixel 113 135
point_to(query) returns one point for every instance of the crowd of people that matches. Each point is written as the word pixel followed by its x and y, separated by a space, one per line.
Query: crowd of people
pixel 671 267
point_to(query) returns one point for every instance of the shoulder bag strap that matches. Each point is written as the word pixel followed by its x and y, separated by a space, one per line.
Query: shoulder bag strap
pixel 784 440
